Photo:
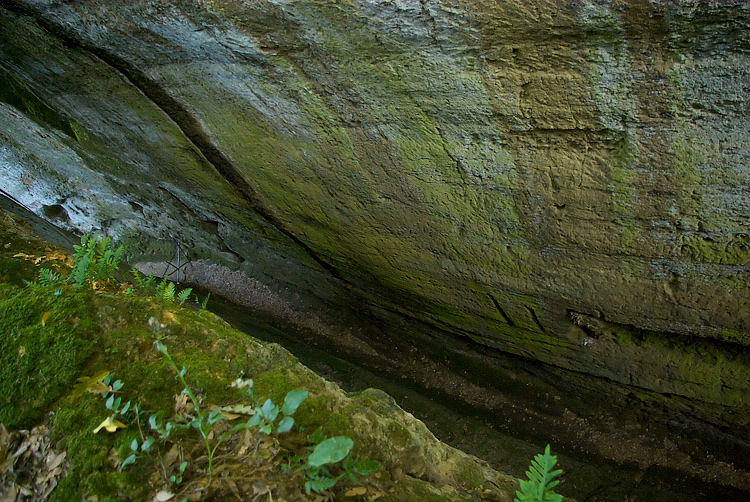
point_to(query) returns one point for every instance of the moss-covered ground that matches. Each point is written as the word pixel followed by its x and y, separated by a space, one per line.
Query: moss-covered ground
pixel 51 336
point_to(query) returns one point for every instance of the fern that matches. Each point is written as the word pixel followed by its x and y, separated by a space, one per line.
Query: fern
pixel 81 261
pixel 204 303
pixel 143 284
pixel 539 486
pixel 94 260
pixel 183 295
pixel 320 484
pixel 107 260
pixel 165 289
pixel 45 277
pixel 49 277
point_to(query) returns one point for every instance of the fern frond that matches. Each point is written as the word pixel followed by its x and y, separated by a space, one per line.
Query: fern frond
pixel 539 486
pixel 143 283
pixel 165 289
pixel 204 303
pixel 49 277
pixel 183 295
pixel 169 291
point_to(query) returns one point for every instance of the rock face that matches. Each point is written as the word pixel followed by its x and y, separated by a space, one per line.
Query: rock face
pixel 566 181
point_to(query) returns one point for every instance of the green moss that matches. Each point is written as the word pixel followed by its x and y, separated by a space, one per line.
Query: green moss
pixel 116 336
pixel 398 435
pixel 735 251
pixel 622 334
pixel 414 490
pixel 17 93
pixel 91 473
pixel 316 411
pixel 470 475
pixel 38 363
pixel 15 271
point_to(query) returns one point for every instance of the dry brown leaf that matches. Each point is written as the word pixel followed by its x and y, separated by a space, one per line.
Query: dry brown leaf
pixel 56 461
pixel 180 403
pixel 50 488
pixel 225 411
pixel 12 493
pixel 163 496
pixel 90 384
pixel 45 316
pixel 375 496
pixel 242 409
pixel 233 487
pixel 171 456
pixel 359 490
pixel 98 388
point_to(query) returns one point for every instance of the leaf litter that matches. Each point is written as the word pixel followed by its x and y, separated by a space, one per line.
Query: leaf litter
pixel 248 467
pixel 30 466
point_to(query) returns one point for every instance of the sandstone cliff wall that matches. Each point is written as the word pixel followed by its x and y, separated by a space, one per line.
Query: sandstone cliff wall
pixel 567 181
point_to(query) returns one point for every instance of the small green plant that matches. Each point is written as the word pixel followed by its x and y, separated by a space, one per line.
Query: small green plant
pixel 46 278
pixel 176 479
pixel 94 260
pixel 183 295
pixel 142 283
pixel 49 277
pixel 165 290
pixel 325 453
pixel 203 303
pixel 263 418
pixel 538 488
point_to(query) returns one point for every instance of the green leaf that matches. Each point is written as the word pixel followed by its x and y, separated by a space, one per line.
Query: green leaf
pixel 292 401
pixel 330 451
pixel 184 295
pixel 88 383
pixel 538 488
pixel 215 416
pixel 205 301
pixel 285 424
pixel 146 446
pixel 270 411
pixel 153 421
pixel 129 460
pixel 134 445
pixel 317 437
